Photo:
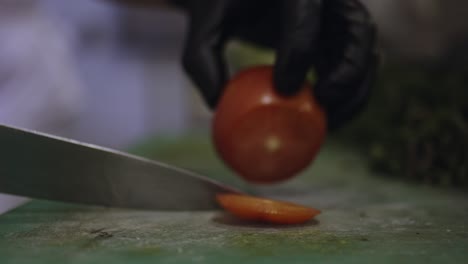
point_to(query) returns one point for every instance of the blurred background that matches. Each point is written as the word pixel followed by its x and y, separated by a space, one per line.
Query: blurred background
pixel 111 76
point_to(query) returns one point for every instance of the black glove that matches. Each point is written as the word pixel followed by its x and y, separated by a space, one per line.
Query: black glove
pixel 335 37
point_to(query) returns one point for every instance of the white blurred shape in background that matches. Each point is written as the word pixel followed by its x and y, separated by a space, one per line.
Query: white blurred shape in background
pixel 127 95
pixel 39 88
pixel 63 71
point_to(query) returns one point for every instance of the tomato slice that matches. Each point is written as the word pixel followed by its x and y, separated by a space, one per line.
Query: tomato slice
pixel 263 136
pixel 258 209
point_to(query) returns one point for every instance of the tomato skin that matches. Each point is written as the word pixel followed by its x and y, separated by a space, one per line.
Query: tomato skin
pixel 263 136
pixel 265 210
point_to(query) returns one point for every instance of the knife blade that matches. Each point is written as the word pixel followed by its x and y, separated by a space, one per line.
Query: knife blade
pixel 43 166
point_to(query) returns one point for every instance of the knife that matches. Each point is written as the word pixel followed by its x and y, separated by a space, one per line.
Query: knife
pixel 43 166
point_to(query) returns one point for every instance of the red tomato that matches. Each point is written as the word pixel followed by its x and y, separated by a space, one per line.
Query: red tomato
pixel 263 136
pixel 266 210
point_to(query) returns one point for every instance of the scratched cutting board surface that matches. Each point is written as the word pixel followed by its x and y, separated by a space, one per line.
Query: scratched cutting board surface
pixel 365 219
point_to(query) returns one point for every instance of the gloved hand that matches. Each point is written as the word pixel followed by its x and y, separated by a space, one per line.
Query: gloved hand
pixel 335 37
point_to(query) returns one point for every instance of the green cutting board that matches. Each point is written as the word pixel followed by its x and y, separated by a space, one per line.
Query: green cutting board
pixel 366 219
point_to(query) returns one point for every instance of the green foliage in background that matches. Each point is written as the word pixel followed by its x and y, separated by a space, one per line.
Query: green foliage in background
pixel 242 55
pixel 416 125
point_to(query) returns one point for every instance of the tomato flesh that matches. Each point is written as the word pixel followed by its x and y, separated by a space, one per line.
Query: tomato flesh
pixel 266 210
pixel 264 137
pixel 271 143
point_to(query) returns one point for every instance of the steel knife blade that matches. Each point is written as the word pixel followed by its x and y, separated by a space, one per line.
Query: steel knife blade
pixel 42 166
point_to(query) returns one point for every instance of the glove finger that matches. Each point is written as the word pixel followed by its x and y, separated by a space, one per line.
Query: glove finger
pixel 203 53
pixel 339 116
pixel 297 45
pixel 347 52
